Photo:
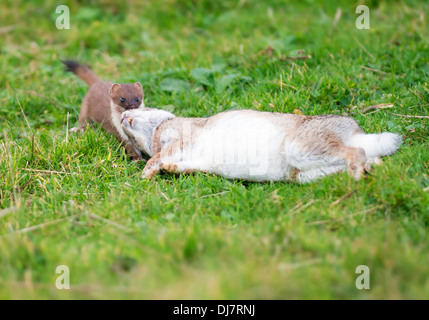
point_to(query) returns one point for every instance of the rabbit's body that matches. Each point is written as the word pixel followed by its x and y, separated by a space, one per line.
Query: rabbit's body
pixel 253 145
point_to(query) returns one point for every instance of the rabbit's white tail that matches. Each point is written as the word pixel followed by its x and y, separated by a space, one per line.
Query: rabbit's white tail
pixel 376 145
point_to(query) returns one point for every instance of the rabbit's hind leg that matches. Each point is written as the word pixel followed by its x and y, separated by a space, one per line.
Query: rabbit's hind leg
pixel 316 173
pixel 319 157
pixel 370 162
pixel 356 160
pixel 352 159
pixel 311 165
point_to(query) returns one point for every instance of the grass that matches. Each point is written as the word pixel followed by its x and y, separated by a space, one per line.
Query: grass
pixel 75 200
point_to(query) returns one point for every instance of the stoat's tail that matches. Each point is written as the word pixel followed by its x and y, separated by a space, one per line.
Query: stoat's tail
pixel 376 145
pixel 81 71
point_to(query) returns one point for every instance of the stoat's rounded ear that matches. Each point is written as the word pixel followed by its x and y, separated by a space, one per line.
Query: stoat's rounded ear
pixel 138 85
pixel 114 88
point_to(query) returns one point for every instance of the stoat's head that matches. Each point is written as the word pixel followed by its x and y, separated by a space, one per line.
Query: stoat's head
pixel 127 96
pixel 140 124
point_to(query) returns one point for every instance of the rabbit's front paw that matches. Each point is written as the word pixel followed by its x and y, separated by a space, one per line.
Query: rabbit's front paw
pixel 169 166
pixel 149 174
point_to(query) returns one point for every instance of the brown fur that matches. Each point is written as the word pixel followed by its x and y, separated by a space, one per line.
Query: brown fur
pixel 81 71
pixel 96 103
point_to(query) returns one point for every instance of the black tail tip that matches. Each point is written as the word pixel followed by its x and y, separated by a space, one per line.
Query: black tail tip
pixel 70 65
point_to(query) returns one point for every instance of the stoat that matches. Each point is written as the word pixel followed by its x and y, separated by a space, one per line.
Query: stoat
pixel 104 103
pixel 254 145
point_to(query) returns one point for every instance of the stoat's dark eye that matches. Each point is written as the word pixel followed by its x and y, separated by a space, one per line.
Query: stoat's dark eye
pixel 137 99
pixel 122 100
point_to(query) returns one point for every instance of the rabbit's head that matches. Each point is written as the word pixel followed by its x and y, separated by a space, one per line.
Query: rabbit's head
pixel 140 124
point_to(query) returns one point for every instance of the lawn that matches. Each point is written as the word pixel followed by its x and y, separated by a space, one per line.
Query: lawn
pixel 77 200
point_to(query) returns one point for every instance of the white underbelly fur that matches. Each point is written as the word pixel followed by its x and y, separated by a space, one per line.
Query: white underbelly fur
pixel 239 148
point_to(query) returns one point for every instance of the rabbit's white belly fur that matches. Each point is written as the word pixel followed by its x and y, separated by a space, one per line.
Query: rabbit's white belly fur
pixel 238 147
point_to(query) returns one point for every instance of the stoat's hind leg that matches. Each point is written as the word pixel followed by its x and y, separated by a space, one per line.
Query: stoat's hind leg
pixel 77 129
pixel 81 128
pixel 83 118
